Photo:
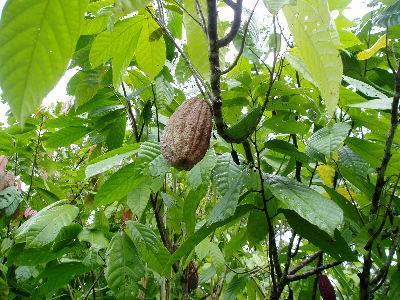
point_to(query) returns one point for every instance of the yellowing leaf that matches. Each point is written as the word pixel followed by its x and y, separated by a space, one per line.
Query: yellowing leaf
pixel 327 173
pixel 348 194
pixel 368 53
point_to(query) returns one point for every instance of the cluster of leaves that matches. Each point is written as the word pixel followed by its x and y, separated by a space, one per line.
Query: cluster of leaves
pixel 116 221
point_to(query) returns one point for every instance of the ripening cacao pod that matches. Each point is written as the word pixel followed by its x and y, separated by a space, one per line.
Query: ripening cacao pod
pixel 186 138
pixel 326 288
pixel 191 277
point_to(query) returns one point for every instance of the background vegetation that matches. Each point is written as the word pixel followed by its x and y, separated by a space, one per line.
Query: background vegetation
pixel 296 198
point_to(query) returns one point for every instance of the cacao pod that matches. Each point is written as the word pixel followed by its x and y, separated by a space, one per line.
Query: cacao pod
pixel 191 277
pixel 326 288
pixel 186 138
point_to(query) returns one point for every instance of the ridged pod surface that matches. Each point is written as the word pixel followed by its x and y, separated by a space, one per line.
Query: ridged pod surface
pixel 186 138
pixel 326 288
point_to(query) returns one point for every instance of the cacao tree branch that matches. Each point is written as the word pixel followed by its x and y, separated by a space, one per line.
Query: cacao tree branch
pixel 380 180
pixel 131 115
pixel 188 13
pixel 237 19
pixel 380 277
pixel 305 262
pixel 291 278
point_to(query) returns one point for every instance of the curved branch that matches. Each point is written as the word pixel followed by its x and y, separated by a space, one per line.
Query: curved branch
pixel 237 19
pixel 291 278
pixel 245 31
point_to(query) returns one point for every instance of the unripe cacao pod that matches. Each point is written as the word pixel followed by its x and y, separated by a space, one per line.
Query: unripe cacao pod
pixel 326 288
pixel 186 138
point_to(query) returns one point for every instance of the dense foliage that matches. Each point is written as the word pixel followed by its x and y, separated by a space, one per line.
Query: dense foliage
pixel 297 196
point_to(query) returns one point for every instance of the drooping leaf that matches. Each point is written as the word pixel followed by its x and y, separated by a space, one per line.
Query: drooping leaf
pixel 379 104
pixel 334 245
pixel 210 249
pixel 306 202
pixel 245 125
pixel 196 40
pixel 37 40
pixel 124 267
pixel 150 53
pixel 316 41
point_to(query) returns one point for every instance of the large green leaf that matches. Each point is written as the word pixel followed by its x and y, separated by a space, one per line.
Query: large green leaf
pixel 149 245
pixel 316 40
pixel 119 45
pixel 44 227
pixel 119 185
pixel 335 246
pixel 364 88
pixel 57 275
pixel 66 136
pixel 150 53
pixel 326 140
pixel 37 40
pixel 108 163
pixel 124 267
pixel 306 202
pixel 210 249
pixel 196 39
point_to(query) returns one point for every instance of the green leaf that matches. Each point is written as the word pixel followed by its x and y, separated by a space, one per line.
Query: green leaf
pixel 119 45
pixel 257 227
pixel 66 236
pixel 44 227
pixel 66 136
pixel 326 140
pixel 306 202
pixel 119 185
pixel 316 40
pixel 235 287
pixel 380 104
pixel 286 148
pixel 37 40
pixel 364 88
pixel 196 40
pixel 149 245
pixel 150 53
pixel 335 246
pixel 226 207
pixel 9 200
pixel 57 275
pixel 246 125
pixel 225 173
pixel 96 239
pixel 108 163
pixel 138 198
pixel 389 17
pixel 124 267
pixel 207 248
pixel 189 244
